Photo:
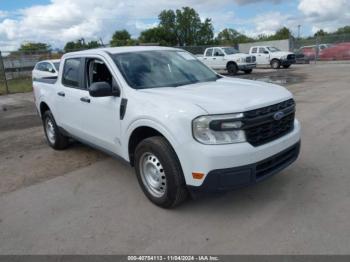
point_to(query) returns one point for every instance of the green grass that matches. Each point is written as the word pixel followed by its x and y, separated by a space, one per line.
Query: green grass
pixel 16 86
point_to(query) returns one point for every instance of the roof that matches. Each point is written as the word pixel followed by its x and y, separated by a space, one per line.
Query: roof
pixel 50 60
pixel 124 49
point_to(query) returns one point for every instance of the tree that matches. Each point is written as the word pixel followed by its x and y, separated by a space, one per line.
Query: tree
pixel 205 33
pixel 157 35
pixel 283 33
pixel 121 38
pixel 320 33
pixel 230 36
pixel 80 45
pixel 343 30
pixel 31 47
pixel 184 27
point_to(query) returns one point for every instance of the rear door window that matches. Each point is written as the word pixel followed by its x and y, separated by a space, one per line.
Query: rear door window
pixel 209 52
pixel 71 76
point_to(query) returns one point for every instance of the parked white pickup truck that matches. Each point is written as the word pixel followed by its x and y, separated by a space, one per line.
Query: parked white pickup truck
pixel 183 127
pixel 269 55
pixel 228 58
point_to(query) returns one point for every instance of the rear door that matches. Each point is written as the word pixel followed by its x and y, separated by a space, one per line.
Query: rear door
pixel 69 112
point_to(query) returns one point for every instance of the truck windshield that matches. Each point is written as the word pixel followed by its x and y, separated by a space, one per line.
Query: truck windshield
pixel 230 50
pixel 57 65
pixel 273 49
pixel 150 69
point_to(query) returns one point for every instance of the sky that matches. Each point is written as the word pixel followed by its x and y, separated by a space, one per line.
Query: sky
pixel 59 21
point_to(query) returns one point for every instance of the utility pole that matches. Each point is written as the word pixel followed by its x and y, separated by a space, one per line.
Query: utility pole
pixel 299 26
pixel 2 66
pixel 102 44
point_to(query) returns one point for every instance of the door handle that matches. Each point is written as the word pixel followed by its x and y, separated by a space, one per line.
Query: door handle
pixel 214 58
pixel 61 93
pixel 85 99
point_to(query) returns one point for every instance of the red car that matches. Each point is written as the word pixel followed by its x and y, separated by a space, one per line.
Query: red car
pixel 310 51
pixel 339 51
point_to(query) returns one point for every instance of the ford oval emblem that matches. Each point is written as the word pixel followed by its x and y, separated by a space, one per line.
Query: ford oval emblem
pixel 278 116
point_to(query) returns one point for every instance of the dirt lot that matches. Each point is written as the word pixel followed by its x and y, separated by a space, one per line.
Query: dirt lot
pixel 92 204
pixel 25 157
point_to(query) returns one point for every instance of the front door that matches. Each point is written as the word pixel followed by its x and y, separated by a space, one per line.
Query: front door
pixel 102 114
pixel 218 59
pixel 263 56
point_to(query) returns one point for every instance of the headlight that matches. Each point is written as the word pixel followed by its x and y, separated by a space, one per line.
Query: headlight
pixel 241 59
pixel 218 129
pixel 284 57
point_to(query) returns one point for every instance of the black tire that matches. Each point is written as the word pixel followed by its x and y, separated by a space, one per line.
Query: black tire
pixel 286 66
pixel 60 141
pixel 275 64
pixel 232 68
pixel 175 189
pixel 248 71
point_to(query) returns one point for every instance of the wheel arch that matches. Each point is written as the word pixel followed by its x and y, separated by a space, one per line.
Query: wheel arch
pixel 275 59
pixel 43 108
pixel 140 132
pixel 231 62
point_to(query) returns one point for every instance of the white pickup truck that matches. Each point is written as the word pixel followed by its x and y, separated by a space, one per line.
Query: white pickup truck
pixel 269 55
pixel 228 58
pixel 183 127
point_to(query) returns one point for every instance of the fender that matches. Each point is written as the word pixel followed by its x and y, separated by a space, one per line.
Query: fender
pixel 152 123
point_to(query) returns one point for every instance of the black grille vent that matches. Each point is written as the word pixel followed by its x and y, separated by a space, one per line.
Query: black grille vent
pixel 261 126
pixel 291 57
pixel 250 59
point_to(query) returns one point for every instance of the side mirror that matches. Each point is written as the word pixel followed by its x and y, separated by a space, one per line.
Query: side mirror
pixel 102 89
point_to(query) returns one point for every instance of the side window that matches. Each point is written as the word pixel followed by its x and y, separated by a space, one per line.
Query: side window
pixel 49 68
pixel 40 67
pixel 218 52
pixel 254 50
pixel 261 50
pixel 97 71
pixel 71 72
pixel 209 52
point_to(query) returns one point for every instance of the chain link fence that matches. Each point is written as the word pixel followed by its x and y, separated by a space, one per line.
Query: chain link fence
pixel 16 67
pixel 323 48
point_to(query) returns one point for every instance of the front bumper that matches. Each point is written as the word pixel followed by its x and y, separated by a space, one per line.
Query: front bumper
pixel 220 180
pixel 288 62
pixel 199 158
pixel 247 66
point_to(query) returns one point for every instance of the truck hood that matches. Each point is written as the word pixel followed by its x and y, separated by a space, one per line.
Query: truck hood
pixel 238 55
pixel 225 95
pixel 281 53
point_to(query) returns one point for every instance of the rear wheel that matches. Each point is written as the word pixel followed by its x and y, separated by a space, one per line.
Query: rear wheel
pixel 232 68
pixel 248 71
pixel 275 64
pixel 159 172
pixel 53 136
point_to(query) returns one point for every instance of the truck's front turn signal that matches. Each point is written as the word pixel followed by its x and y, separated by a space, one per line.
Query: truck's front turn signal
pixel 197 175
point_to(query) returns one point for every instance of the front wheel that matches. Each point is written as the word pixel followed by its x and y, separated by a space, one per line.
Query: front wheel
pixel 275 64
pixel 232 68
pixel 248 71
pixel 159 172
